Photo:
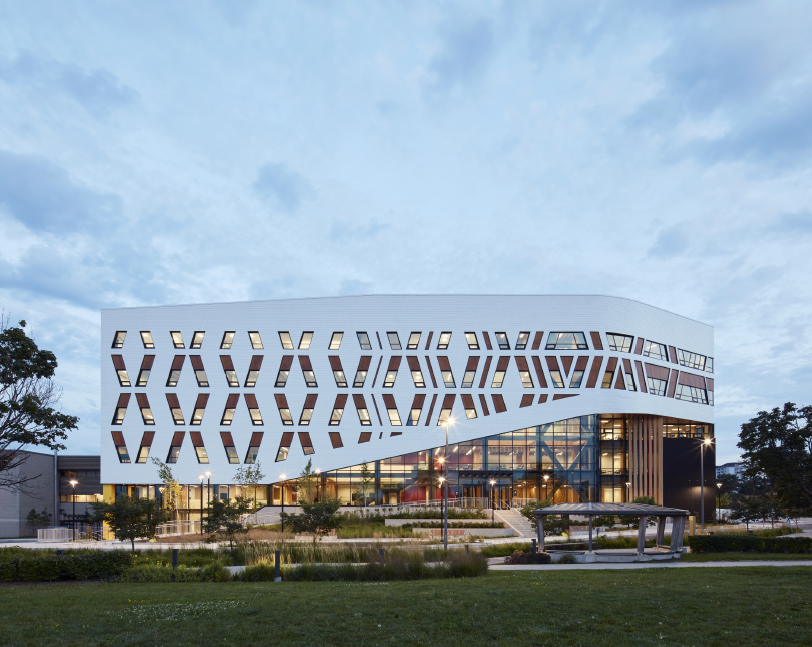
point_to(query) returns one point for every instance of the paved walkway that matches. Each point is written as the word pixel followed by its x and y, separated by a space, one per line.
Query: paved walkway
pixel 593 567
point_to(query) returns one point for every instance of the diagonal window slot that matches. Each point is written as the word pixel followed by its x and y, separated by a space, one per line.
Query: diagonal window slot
pixel 228 445
pixel 230 409
pixel 391 372
pixel 391 409
pixel 200 449
pixel 228 369
pixel 338 371
pixel 200 372
pixel 121 409
pixel 338 409
pixel 253 408
pixel 253 448
pixel 284 409
pixel 146 411
pixel 174 409
pixel 307 371
pixel 307 410
pixel 174 448
pixel 445 371
pixel 143 450
pixel 121 370
pixel 253 371
pixel 524 372
pixel 361 408
pixel 146 369
pixel 284 371
pixel 121 447
pixel 417 373
pixel 470 372
pixel 361 373
pixel 417 408
pixel 284 446
pixel 468 405
pixel 200 408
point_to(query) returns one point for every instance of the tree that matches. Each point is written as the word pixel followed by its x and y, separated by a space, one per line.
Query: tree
pixel 746 509
pixel 553 525
pixel 38 519
pixel 28 395
pixel 646 500
pixel 365 484
pixel 604 520
pixel 249 479
pixel 172 489
pixel 730 484
pixel 319 517
pixel 129 518
pixel 307 484
pixel 778 444
pixel 224 518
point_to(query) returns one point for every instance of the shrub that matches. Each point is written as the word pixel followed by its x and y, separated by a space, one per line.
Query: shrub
pixel 45 566
pixel 518 557
pixel 567 558
pixel 165 573
pixel 258 573
pixel 503 550
pixel 455 524
pixel 735 542
pixel 435 513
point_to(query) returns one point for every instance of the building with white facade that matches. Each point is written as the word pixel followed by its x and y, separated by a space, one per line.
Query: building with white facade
pixel 577 398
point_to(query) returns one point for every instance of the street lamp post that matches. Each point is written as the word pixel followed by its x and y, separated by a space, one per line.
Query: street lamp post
pixel 545 477
pixel 492 482
pixel 718 501
pixel 704 443
pixel 201 477
pixel 73 522
pixel 282 497
pixel 449 421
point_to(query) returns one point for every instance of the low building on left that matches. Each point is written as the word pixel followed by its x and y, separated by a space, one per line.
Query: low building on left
pixel 48 488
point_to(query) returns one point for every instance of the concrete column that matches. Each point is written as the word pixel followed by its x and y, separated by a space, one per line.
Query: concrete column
pixel 540 532
pixel 641 535
pixel 660 531
pixel 677 529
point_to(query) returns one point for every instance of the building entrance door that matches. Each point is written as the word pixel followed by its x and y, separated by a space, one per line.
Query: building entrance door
pixel 501 496
pixel 472 496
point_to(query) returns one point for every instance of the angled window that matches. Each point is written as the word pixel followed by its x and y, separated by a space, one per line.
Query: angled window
pixel 256 340
pixel 445 410
pixel 307 410
pixel 445 370
pixel 121 370
pixel 555 371
pixel 284 446
pixel 394 340
pixel 691 360
pixel 174 409
pixel 338 409
pixel 414 341
pixel 307 444
pixel 146 338
pixel 524 372
pixel 521 341
pixel 443 340
pixel 228 368
pixel 578 373
pixel 470 372
pixel 417 408
pixel 284 409
pixel 391 409
pixel 228 445
pixel 146 412
pixel 307 371
pixel 253 371
pixel 363 339
pixel 709 365
pixel 228 339
pixel 361 373
pixel 472 341
pixel 118 340
pixel 200 449
pixel 253 408
pixel 619 343
pixel 391 372
pixel 146 369
pixel 609 373
pixel 146 443
pixel 335 340
pixel 499 403
pixel 287 342
pixel 174 448
pixel 305 341
pixel 177 339
pixel 691 394
pixel 284 371
pixel 627 374
pixel 502 341
pixel 231 409
pixel 200 372
pixel 200 408
pixel 121 447
pixel 468 405
pixel 417 374
pixel 174 371
pixel 338 371
pixel 566 341
pixel 253 448
pixel 197 339
pixel 539 372
pixel 361 408
pixel 121 409
pixel 655 351
pixel 499 373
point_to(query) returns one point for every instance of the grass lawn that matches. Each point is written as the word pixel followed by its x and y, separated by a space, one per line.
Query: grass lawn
pixel 746 557
pixel 742 606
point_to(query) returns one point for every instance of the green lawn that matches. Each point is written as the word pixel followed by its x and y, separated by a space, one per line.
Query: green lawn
pixel 741 606
pixel 746 557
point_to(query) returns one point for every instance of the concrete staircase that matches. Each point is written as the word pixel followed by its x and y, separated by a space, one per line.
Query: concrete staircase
pixel 514 519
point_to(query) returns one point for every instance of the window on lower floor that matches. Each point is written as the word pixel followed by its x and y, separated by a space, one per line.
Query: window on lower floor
pixel 577 378
pixel 361 408
pixel 307 371
pixel 391 409
pixel 417 408
pixel 655 350
pixel 394 340
pixel 363 340
pixel 468 405
pixel 202 456
pixel 502 341
pixel 414 341
pixel 230 409
pixel 691 360
pixel 338 409
pixel 472 341
pixel 521 341
pixel 253 408
pixel 444 340
pixel 566 341
pixel 619 343
pixel 307 410
pixel 558 381
pixel 655 386
pixel 691 394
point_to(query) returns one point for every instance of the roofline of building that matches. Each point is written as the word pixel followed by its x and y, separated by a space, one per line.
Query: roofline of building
pixel 357 296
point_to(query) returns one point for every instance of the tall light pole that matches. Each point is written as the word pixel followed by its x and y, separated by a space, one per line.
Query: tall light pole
pixel 449 421
pixel 73 522
pixel 282 497
pixel 201 477
pixel 545 477
pixel 492 482
pixel 702 444
pixel 718 501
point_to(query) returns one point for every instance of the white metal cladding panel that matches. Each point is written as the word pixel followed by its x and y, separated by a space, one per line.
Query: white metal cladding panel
pixel 404 314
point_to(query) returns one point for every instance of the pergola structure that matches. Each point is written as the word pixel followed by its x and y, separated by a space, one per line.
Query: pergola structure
pixel 642 510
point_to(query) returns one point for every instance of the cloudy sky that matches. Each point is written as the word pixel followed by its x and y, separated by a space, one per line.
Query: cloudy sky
pixel 157 153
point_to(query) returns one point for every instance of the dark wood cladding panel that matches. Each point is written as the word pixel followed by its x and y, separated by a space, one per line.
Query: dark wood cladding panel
pixel 542 398
pixel 594 372
pixel 310 400
pixel 442 361
pixel 232 400
pixel 177 438
pixel 596 340
pixel 118 439
pixel 389 401
pixel 552 363
pixel 473 362
pixel 256 363
pixel 172 401
pixel 394 363
pixel 431 409
pixel 335 362
pixel 709 381
pixel 487 339
pixel 118 363
pixel 620 385
pixel 142 400
pixel 428 340
pixel 197 439
pixel 304 362
pixel 673 353
pixel 364 437
pixel 431 371
pixel 484 404
pixel 225 360
pixel 335 439
pixel 638 349
pixel 364 362
pixel 521 363
pixel 502 363
pixel 146 439
pixel 197 363
pixel 360 402
pixel 177 362
pixel 256 439
pixel 527 400
pixel 418 401
pixel 566 362
pixel 123 401
pixel 202 400
pixel 537 340
pixel 377 411
pixel 657 372
pixel 448 401
pixel 485 370
pixel 641 376
pixel 562 396
pixel 250 400
pixel 467 401
pixel 539 372
pixel 581 362
pixel 147 362
pixel 287 439
pixel 304 438
pixel 281 401
pixel 498 403
pixel 227 439
pixel 377 370
pixel 286 363
pixel 413 362
pixel 672 385
pixel 688 379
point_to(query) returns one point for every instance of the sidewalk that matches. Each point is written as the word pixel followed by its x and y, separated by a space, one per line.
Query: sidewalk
pixel 676 564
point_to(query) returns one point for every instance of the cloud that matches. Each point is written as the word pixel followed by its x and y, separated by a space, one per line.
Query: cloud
pixel 43 197
pixel 671 241
pixel 98 91
pixel 342 230
pixel 282 187
pixel 466 47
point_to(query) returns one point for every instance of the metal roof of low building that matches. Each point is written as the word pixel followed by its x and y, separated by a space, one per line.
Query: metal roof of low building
pixel 594 509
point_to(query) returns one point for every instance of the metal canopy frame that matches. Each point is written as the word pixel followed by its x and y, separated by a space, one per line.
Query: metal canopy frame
pixel 642 510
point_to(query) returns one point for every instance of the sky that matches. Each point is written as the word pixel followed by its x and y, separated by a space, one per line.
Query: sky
pixel 205 151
